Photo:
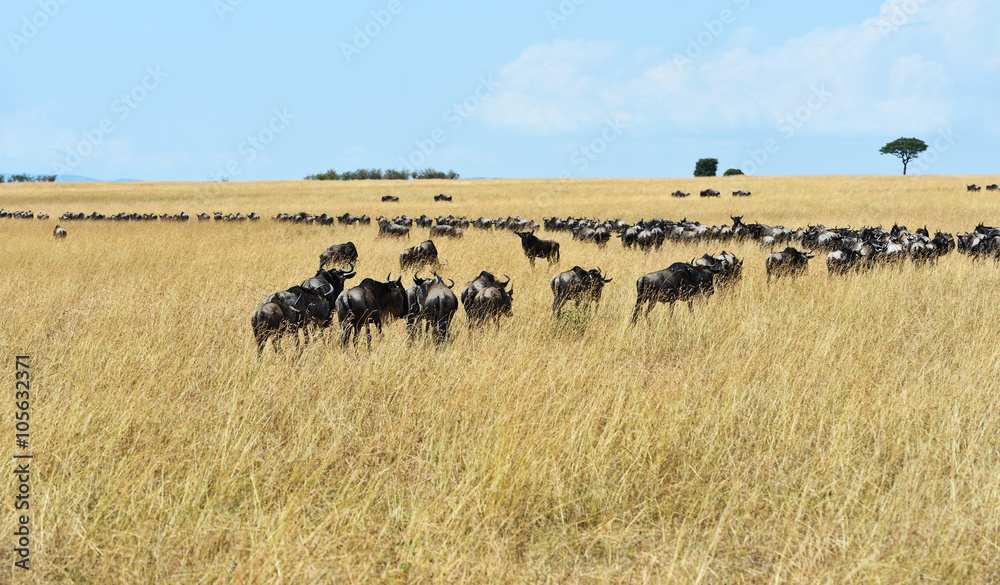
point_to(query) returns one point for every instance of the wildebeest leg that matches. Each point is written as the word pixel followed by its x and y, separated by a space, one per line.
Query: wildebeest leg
pixel 351 332
pixel 531 260
pixel 368 334
pixel 557 305
pixel 635 311
pixel 690 305
pixel 441 331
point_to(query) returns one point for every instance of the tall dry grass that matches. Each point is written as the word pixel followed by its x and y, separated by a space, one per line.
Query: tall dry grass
pixel 816 430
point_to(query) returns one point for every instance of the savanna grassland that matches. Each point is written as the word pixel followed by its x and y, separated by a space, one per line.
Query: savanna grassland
pixel 811 431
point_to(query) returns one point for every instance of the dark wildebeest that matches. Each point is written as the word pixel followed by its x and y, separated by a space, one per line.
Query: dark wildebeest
pixel 339 254
pixel 390 199
pixel 992 187
pixel 347 219
pixel 287 312
pixel 535 247
pixel 741 193
pixel 471 289
pixel 423 254
pixel 388 228
pixel 679 282
pixel 842 261
pixel 972 187
pixel 435 304
pixel 581 286
pixel 790 262
pixel 328 284
pixel 730 267
pixel 204 217
pixel 59 232
pixel 370 302
pixel 442 197
pixel 709 193
pixel 446 231
pixel 679 193
pixel 492 302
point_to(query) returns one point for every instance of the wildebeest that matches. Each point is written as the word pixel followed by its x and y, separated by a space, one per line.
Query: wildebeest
pixel 442 197
pixel 388 228
pixel 472 288
pixel 741 193
pixel 423 254
pixel 339 254
pixel 679 282
pixel 347 219
pixel 329 283
pixel 446 231
pixel 288 312
pixel 303 307
pixel 730 267
pixel 390 199
pixel 972 187
pixel 535 247
pixel 788 262
pixel 709 193
pixel 370 302
pixel 492 302
pixel 842 261
pixel 59 232
pixel 434 303
pixel 992 187
pixel 581 286
pixel 204 216
pixel 679 193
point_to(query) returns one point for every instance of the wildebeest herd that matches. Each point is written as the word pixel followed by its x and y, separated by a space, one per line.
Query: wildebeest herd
pixel 430 304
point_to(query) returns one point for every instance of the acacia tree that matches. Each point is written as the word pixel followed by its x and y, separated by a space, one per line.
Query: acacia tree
pixel 906 149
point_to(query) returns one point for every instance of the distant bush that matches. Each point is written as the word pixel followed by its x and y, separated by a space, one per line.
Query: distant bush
pixel 731 172
pixel 380 175
pixel 706 167
pixel 27 179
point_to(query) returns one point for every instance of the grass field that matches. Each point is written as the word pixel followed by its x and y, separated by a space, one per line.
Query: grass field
pixel 811 431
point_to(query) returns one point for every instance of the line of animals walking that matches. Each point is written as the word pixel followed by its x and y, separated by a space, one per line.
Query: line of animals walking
pixel 430 304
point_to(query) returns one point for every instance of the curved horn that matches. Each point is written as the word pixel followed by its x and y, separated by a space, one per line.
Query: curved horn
pixel 452 283
pixel 606 279
pixel 508 280
pixel 348 271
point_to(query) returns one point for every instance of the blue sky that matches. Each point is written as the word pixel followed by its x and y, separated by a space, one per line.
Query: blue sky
pixel 206 89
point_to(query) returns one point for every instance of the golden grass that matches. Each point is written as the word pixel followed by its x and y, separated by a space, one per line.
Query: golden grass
pixel 816 430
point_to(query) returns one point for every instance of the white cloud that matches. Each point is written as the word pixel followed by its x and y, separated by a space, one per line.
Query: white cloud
pixel 551 88
pixel 899 71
